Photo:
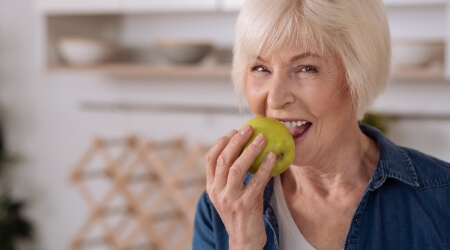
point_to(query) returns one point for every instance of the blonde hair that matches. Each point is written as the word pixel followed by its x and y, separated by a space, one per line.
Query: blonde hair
pixel 356 30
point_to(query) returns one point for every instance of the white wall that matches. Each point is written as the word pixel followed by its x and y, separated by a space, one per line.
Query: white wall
pixel 69 131
pixel 18 83
pixel 419 116
pixel 46 127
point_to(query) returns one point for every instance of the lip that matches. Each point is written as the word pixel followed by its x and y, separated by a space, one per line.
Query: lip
pixel 299 135
pixel 298 132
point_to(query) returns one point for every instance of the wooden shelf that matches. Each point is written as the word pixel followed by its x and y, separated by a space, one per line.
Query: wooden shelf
pixel 419 74
pixel 412 3
pixel 207 71
pixel 148 70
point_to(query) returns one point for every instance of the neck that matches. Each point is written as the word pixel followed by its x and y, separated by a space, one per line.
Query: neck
pixel 348 168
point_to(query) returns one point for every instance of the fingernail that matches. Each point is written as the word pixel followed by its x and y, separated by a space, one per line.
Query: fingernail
pixel 259 139
pixel 245 130
pixel 232 132
pixel 269 156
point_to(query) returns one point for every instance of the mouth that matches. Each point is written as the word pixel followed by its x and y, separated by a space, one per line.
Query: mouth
pixel 297 128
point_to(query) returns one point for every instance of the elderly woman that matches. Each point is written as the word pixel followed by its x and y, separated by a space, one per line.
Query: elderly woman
pixel 319 64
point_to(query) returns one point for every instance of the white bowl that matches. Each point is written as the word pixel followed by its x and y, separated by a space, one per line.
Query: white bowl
pixel 184 52
pixel 416 53
pixel 84 51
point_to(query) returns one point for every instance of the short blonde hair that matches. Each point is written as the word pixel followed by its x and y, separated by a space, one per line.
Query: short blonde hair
pixel 356 30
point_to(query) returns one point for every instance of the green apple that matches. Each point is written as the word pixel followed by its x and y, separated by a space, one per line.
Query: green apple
pixel 278 140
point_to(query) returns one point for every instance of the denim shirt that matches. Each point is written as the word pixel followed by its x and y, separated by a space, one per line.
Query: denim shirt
pixel 406 205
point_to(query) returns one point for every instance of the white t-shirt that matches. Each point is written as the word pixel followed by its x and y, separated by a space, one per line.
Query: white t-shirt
pixel 290 236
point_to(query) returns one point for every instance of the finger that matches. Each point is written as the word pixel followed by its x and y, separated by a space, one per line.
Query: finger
pixel 245 160
pixel 259 180
pixel 213 154
pixel 230 154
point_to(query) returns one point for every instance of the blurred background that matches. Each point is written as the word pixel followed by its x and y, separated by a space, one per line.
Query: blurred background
pixel 107 107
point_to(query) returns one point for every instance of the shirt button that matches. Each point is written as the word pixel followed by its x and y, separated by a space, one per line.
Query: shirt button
pixel 355 220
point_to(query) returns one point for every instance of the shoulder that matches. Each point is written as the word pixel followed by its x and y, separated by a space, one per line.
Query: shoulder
pixel 407 165
pixel 430 171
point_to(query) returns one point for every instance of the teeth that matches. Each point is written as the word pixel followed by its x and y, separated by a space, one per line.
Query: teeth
pixel 293 124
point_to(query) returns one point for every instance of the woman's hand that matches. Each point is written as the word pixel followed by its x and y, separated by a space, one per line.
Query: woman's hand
pixel 240 207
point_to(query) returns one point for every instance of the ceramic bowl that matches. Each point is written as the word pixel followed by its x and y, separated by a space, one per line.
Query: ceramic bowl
pixel 184 52
pixel 84 51
pixel 416 53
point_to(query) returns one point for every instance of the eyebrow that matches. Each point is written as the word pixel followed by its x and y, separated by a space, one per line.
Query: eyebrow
pixel 296 57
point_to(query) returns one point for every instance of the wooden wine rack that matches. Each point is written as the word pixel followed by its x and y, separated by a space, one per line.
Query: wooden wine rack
pixel 140 194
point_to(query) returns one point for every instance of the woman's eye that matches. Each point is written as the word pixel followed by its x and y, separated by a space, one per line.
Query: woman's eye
pixel 260 69
pixel 308 68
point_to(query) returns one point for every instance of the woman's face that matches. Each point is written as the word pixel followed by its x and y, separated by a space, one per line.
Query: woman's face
pixel 308 92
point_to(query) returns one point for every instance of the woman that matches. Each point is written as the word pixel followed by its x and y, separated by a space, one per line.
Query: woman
pixel 317 66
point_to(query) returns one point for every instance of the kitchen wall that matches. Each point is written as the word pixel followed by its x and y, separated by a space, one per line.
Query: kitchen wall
pixel 47 127
pixel 418 115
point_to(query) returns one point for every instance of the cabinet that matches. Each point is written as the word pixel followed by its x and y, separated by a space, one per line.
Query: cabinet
pixel 209 19
pixel 424 22
pixel 231 5
pixel 407 3
pixel 48 7
pixel 169 5
pixel 122 6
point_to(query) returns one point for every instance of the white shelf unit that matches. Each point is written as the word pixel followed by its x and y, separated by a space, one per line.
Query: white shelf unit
pixel 48 7
pixel 136 35
pixel 146 6
pixel 421 21
pixel 231 5
pixel 123 6
pixel 120 19
pixel 409 3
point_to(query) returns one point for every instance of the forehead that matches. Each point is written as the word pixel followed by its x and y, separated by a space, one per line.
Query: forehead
pixel 290 48
pixel 292 52
pixel 298 39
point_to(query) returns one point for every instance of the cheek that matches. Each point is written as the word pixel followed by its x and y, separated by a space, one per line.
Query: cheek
pixel 256 98
pixel 338 104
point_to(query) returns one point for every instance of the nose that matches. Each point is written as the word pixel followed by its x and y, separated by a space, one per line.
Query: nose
pixel 280 95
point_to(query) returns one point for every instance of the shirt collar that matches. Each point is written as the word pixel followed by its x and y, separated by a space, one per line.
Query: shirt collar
pixel 394 162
